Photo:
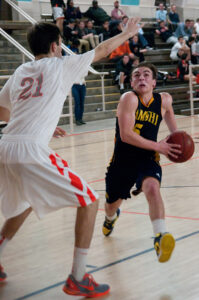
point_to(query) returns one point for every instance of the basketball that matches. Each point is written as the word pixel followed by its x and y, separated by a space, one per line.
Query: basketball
pixel 187 145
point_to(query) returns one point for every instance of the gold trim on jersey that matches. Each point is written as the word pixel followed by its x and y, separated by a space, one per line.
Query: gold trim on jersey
pixel 149 103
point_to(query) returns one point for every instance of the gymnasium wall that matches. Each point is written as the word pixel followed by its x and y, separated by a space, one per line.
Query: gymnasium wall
pixel 143 8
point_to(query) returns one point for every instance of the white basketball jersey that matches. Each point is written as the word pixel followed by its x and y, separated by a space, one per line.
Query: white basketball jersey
pixel 36 92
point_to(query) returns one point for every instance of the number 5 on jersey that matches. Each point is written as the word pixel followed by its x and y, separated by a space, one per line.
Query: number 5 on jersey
pixel 137 128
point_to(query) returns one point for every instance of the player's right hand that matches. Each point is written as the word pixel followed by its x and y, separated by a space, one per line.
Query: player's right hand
pixel 132 26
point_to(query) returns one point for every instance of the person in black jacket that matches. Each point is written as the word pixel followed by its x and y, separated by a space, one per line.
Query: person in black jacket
pixel 123 71
pixel 58 8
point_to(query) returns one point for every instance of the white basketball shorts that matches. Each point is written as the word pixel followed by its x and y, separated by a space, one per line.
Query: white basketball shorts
pixel 32 175
pixel 58 13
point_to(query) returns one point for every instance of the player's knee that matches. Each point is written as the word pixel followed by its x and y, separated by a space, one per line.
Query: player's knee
pixel 151 188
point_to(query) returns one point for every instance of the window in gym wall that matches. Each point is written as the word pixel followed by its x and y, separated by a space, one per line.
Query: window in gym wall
pixel 129 2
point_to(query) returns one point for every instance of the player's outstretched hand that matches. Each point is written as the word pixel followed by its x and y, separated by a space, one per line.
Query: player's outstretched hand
pixel 169 149
pixel 59 132
pixel 132 26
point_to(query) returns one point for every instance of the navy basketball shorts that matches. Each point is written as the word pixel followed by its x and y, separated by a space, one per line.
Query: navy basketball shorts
pixel 121 176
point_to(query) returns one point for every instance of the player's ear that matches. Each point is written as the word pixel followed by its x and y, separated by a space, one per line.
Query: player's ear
pixel 154 83
pixel 53 47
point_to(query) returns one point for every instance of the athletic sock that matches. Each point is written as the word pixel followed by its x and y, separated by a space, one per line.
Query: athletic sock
pixel 159 226
pixel 79 263
pixel 111 218
pixel 3 242
pixel 121 86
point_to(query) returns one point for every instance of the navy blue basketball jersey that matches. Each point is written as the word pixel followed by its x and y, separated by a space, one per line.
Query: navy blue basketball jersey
pixel 147 122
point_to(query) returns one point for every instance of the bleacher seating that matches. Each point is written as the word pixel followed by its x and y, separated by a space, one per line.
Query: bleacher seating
pixel 11 58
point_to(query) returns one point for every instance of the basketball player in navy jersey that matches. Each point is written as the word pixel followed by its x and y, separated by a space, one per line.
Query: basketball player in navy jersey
pixel 135 159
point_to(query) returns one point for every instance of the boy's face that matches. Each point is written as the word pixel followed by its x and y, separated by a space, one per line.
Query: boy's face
pixel 142 80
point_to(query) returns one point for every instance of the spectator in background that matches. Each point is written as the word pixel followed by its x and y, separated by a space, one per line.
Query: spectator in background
pixel 58 8
pixel 161 14
pixel 165 34
pixel 79 93
pixel 123 72
pixel 136 48
pixel 115 28
pixel 117 13
pixel 184 30
pixel 183 69
pixel 194 48
pixel 196 26
pixel 120 51
pixel 104 33
pixel 72 12
pixel 146 40
pixel 86 40
pixel 74 46
pixel 179 49
pixel 97 14
pixel 69 32
pixel 90 30
pixel 124 21
pixel 173 19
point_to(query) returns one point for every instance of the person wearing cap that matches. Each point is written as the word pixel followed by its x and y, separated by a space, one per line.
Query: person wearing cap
pixel 97 14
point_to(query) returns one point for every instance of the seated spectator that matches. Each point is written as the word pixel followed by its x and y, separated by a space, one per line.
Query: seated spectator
pixel 58 8
pixel 161 14
pixel 183 69
pixel 196 26
pixel 72 12
pixel 180 48
pixel 124 21
pixel 173 19
pixel 120 51
pixel 104 33
pixel 117 13
pixel 123 71
pixel 165 34
pixel 194 45
pixel 86 40
pixel 115 28
pixel 89 29
pixel 136 48
pixel 97 14
pixel 147 40
pixel 184 30
pixel 69 32
pixel 74 46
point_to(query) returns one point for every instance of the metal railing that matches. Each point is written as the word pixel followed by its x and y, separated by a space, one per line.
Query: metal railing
pixel 192 99
pixel 33 21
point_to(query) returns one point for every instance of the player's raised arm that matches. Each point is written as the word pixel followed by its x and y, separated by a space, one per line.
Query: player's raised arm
pixel 106 47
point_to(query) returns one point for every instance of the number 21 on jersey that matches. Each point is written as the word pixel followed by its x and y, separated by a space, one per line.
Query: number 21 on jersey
pixel 30 91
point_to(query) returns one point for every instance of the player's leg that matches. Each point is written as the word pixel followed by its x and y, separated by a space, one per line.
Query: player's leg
pixel 79 282
pixel 164 242
pixel 9 229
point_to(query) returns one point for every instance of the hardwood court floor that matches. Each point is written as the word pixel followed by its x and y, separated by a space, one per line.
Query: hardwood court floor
pixel 39 258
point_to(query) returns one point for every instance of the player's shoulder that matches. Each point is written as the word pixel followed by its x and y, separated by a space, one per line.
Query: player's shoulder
pixel 129 96
pixel 166 99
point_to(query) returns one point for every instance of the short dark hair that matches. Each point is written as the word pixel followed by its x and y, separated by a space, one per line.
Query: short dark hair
pixel 41 35
pixel 149 66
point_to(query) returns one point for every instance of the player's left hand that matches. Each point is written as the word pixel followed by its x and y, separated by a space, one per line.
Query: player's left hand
pixel 59 132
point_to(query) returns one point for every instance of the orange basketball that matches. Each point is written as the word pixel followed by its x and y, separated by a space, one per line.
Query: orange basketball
pixel 187 145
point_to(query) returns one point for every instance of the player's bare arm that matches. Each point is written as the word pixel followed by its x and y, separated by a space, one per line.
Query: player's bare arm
pixel 167 112
pixel 169 117
pixel 4 114
pixel 106 47
pixel 126 118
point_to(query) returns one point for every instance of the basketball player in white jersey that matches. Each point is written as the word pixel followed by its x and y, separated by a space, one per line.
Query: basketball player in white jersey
pixel 33 177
